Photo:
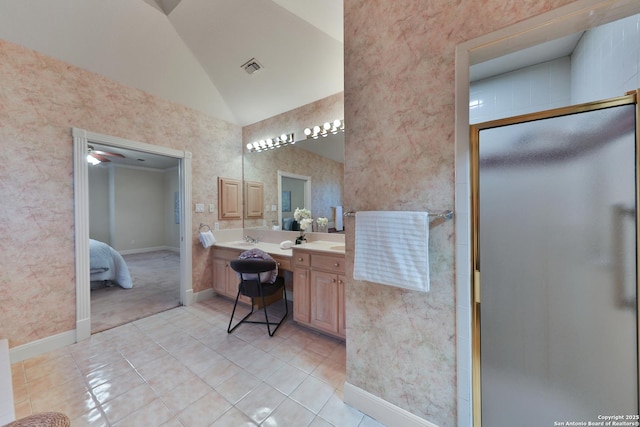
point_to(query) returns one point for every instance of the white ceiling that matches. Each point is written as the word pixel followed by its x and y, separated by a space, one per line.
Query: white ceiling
pixel 191 51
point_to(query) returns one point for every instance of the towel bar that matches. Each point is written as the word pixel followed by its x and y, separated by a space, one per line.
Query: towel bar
pixel 448 214
pixel 202 225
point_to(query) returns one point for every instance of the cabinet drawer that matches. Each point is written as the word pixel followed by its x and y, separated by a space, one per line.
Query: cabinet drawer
pixel 328 262
pixel 301 259
pixel 283 263
pixel 227 254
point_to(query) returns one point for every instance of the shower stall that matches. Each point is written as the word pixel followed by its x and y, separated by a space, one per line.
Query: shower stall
pixel 555 334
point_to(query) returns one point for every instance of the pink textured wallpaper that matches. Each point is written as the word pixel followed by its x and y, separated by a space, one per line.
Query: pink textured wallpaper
pixel 40 100
pixel 399 107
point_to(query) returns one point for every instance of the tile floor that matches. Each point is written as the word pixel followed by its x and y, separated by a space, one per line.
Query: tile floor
pixel 181 368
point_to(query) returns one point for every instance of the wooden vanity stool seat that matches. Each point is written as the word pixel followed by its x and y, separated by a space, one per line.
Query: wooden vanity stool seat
pixel 252 286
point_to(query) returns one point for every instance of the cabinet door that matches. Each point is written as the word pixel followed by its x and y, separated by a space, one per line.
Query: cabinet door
pixel 254 196
pixel 220 276
pixel 301 295
pixel 342 326
pixel 324 301
pixel 229 198
pixel 232 281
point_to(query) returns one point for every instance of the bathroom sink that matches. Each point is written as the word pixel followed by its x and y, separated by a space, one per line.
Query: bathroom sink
pixel 243 243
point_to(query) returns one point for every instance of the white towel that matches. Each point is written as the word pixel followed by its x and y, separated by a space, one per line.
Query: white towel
pixel 392 248
pixel 207 239
pixel 337 213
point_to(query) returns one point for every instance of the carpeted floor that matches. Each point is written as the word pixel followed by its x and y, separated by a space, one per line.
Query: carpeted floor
pixel 156 288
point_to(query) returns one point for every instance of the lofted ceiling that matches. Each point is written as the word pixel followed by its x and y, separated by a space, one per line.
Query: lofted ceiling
pixel 191 51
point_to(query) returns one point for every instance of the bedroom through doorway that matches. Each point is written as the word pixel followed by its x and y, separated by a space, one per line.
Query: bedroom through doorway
pixel 132 206
pixel 134 210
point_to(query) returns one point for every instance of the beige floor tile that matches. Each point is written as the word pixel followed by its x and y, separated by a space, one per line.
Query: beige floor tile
pixel 22 409
pixel 73 407
pixel 219 372
pixel 129 402
pixel 45 399
pixel 93 418
pixel 168 379
pixel 313 394
pixel 181 368
pixel 152 414
pixel 116 368
pixel 264 366
pixel 60 366
pixel 370 422
pixel 204 411
pixel 340 414
pixel 238 386
pixel 289 413
pixel 260 402
pixel 185 394
pixel 318 421
pixel 330 372
pixel 286 379
pixel 307 361
pixel 117 386
pixel 235 418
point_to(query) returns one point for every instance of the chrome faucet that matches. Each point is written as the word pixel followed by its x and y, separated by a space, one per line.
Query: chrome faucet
pixel 250 239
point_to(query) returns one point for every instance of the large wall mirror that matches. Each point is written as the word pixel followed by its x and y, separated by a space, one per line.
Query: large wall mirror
pixel 322 160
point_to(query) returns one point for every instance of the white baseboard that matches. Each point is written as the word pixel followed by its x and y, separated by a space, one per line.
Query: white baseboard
pixel 202 295
pixel 381 410
pixel 145 250
pixel 44 345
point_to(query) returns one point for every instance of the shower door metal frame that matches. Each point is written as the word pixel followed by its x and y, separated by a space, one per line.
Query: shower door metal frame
pixel 629 98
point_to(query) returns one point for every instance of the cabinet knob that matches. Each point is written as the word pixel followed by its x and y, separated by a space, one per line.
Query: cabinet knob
pixel 300 259
pixel 337 264
pixel 278 264
pixel 333 280
pixel 340 281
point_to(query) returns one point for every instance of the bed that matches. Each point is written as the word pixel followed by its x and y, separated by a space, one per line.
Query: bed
pixel 107 266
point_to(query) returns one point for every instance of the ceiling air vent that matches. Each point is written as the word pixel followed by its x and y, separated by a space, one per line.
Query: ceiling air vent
pixel 251 66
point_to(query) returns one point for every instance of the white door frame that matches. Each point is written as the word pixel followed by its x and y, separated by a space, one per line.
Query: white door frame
pixel 81 139
pixel 307 191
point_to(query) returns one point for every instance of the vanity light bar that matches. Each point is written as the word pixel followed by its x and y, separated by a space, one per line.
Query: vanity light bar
pixel 271 143
pixel 324 130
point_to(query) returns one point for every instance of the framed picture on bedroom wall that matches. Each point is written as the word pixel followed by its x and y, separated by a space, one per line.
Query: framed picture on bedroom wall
pixel 286 201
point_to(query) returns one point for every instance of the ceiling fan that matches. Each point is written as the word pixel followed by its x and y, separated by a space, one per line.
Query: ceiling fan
pixel 98 156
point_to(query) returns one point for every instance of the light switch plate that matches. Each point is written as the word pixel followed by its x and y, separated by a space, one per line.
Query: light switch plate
pixel 199 207
pixel 211 207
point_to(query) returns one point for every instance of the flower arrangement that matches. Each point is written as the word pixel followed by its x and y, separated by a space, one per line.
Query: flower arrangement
pixel 322 223
pixel 303 216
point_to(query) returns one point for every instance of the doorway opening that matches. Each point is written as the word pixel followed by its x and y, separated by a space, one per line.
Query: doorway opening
pixel 134 216
pixel 82 139
pixel 297 194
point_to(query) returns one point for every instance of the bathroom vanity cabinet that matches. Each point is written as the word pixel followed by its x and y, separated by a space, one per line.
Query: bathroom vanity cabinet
pixel 318 291
pixel 225 279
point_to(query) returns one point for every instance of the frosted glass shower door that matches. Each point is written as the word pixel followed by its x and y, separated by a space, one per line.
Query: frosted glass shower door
pixel 556 255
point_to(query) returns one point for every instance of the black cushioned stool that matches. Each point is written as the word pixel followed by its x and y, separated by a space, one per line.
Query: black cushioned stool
pixel 254 288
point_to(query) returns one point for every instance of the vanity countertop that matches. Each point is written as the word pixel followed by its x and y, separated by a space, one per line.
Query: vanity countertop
pixel 274 248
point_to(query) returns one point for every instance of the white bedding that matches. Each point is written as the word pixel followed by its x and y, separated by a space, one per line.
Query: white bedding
pixel 108 265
